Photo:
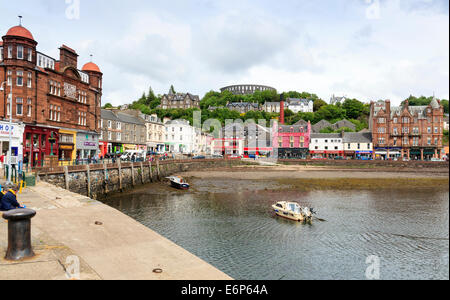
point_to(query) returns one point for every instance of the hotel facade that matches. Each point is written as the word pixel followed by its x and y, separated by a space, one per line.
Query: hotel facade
pixel 57 103
pixel 407 132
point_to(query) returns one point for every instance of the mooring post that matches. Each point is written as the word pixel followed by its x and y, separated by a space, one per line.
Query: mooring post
pixel 88 175
pixel 151 172
pixel 66 177
pixel 142 172
pixel 157 169
pixel 19 233
pixel 105 168
pixel 132 174
pixel 120 174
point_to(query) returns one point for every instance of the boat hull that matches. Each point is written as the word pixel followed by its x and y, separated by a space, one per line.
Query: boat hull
pixel 180 186
pixel 290 215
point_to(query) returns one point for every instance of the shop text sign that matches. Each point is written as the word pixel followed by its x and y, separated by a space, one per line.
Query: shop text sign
pixel 5 128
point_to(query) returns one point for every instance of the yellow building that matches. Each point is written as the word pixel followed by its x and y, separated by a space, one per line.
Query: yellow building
pixel 67 146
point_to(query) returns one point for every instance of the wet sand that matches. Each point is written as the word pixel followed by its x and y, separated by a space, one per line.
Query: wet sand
pixel 324 178
pixel 309 172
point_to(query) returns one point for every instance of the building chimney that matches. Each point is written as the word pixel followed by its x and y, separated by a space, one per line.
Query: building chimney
pixel 282 109
pixel 67 57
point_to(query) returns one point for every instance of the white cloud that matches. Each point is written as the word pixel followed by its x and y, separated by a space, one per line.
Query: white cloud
pixel 325 47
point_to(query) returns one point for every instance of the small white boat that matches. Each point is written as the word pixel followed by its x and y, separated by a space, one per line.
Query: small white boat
pixel 178 183
pixel 293 211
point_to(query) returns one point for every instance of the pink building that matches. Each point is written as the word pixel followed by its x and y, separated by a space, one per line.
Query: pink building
pixel 292 141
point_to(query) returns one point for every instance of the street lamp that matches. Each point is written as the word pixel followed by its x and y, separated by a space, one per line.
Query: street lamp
pixel 10 130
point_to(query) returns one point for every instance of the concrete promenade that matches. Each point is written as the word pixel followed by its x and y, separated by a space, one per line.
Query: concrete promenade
pixel 64 230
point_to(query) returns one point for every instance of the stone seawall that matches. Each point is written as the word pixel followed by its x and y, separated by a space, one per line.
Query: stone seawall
pixel 369 163
pixel 96 180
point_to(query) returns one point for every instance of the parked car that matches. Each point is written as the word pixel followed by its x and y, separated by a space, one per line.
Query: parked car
pixel 318 158
pixel 338 158
pixel 366 158
pixel 199 157
pixel 436 159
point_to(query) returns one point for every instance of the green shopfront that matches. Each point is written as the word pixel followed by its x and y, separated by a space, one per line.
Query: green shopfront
pixel 428 153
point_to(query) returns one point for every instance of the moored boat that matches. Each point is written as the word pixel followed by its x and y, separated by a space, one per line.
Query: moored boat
pixel 178 183
pixel 293 211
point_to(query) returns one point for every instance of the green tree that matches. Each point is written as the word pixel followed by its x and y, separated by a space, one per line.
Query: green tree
pixel 353 108
pixel 329 113
pixel 445 105
pixel 445 139
pixel 107 106
pixel 318 104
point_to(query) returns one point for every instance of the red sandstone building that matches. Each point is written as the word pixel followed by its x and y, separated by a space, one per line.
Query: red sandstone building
pixel 59 104
pixel 412 132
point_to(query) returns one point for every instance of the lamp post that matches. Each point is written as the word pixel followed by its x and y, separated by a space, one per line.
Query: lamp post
pixel 10 130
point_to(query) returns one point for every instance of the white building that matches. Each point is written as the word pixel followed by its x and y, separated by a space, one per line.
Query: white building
pixel 358 144
pixel 337 100
pixel 202 143
pixel 300 105
pixel 155 133
pixel 180 137
pixel 326 145
pixel 17 131
pixel 271 107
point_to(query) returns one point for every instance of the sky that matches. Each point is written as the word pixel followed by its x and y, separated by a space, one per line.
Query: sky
pixel 364 49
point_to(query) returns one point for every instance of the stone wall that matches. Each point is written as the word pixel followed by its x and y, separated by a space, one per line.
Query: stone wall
pixel 369 163
pixel 98 180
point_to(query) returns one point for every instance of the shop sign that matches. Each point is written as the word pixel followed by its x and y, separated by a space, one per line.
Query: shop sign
pixel 66 147
pixel 4 129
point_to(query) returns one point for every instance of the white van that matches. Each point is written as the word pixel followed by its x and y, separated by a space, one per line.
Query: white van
pixel 139 154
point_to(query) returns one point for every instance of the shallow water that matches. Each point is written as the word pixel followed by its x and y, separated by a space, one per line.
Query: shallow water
pixel 229 224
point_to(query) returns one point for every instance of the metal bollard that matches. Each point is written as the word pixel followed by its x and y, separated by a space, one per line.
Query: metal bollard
pixel 19 233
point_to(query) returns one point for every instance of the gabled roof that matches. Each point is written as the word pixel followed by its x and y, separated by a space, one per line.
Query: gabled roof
pixel 181 97
pixel 126 118
pixel 321 125
pixel 357 137
pixel 326 136
pixel 243 104
pixel 298 101
pixel 301 123
pixel 344 123
pixel 292 129
pixel 178 122
pixel 107 114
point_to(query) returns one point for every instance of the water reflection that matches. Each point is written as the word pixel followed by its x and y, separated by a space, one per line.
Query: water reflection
pixel 229 224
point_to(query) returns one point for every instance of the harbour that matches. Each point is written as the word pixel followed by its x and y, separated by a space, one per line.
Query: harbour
pixel 229 223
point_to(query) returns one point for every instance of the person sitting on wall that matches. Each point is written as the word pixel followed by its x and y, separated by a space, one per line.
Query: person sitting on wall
pixel 9 200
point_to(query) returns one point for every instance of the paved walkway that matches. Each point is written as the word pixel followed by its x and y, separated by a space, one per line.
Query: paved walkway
pixel 64 231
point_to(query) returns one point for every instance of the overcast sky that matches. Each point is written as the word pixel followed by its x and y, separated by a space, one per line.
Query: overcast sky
pixel 366 49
